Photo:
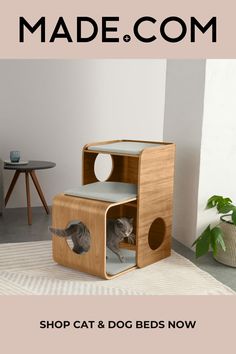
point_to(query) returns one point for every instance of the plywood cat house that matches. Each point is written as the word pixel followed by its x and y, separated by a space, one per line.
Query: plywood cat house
pixel 140 185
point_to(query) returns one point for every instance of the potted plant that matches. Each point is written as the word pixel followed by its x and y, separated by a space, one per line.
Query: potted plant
pixel 221 238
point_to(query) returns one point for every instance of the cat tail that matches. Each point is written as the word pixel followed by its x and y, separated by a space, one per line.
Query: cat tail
pixel 63 232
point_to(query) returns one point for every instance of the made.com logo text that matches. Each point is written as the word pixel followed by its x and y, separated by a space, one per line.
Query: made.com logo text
pixel 145 29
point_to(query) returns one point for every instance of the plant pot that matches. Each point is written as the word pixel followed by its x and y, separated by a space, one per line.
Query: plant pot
pixel 227 257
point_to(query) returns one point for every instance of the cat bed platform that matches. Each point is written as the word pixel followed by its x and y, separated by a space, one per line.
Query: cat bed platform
pixel 139 187
pixel 114 192
pixel 123 147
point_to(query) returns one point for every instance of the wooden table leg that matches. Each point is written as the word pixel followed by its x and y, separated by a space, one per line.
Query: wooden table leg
pixel 29 210
pixel 39 190
pixel 12 185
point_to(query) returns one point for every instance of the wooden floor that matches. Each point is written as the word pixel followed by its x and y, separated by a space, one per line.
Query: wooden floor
pixel 14 228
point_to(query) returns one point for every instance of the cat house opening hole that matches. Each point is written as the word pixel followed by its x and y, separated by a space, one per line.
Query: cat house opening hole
pixel 103 167
pixel 156 233
pixel 77 236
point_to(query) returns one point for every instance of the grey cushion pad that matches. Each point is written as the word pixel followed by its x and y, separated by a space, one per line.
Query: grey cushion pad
pixel 106 191
pixel 113 264
pixel 126 147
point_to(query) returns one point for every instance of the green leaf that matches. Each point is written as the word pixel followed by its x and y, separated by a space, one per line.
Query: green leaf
pixel 222 243
pixel 217 239
pixel 215 198
pixel 220 202
pixel 211 203
pixel 222 208
pixel 203 242
pixel 228 200
pixel 213 244
pixel 234 216
pixel 194 243
pixel 206 230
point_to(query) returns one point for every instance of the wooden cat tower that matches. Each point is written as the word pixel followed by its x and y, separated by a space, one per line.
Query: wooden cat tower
pixel 140 186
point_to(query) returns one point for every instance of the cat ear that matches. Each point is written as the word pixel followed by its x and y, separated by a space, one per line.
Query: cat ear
pixel 119 222
pixel 131 220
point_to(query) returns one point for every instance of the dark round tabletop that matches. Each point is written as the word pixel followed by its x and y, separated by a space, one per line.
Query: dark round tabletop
pixel 31 165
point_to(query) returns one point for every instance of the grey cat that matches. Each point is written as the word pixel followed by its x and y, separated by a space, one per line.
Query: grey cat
pixel 79 234
pixel 117 231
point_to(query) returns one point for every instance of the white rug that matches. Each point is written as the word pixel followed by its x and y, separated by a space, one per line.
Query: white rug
pixel 28 269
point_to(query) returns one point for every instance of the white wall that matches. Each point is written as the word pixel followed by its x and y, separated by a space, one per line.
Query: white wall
pixel 200 116
pixel 185 84
pixel 50 108
pixel 218 149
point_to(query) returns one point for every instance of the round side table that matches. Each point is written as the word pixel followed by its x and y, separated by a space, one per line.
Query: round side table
pixel 29 170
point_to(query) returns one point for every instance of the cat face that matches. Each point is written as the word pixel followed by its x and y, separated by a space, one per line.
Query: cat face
pixel 124 226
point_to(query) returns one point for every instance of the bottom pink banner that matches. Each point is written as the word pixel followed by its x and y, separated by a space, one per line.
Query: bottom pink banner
pixel 117 324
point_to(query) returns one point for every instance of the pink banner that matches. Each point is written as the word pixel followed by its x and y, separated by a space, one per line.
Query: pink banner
pixel 185 324
pixel 117 29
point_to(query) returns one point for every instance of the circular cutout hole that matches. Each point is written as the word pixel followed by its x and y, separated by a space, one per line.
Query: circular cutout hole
pixel 77 236
pixel 103 167
pixel 156 233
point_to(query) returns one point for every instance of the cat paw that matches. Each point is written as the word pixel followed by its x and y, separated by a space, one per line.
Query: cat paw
pixel 131 239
